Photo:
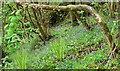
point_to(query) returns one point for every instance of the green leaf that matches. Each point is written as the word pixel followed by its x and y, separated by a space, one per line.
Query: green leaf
pixel 11 3
pixel 10 32
pixel 94 3
pixel 14 19
pixel 27 23
pixel 12 25
pixel 18 11
pixel 6 26
pixel 117 13
pixel 18 17
pixel 11 50
pixel 80 12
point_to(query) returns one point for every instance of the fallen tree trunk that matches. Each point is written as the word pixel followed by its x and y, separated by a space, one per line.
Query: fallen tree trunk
pixel 77 8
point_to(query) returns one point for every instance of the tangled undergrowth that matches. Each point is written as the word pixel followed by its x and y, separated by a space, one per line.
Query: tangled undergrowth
pixel 71 47
pixel 68 47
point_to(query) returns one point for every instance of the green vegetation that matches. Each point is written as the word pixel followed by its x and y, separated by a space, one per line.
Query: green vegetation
pixel 38 44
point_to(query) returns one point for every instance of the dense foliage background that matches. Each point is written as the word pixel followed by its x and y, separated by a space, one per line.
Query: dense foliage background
pixel 38 38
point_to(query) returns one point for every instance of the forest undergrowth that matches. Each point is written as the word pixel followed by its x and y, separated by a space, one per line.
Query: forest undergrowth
pixel 28 43
pixel 71 47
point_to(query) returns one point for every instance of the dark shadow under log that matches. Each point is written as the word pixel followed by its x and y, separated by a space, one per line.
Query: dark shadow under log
pixel 73 18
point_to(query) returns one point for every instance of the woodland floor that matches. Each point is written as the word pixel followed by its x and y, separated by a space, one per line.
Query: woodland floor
pixel 81 48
